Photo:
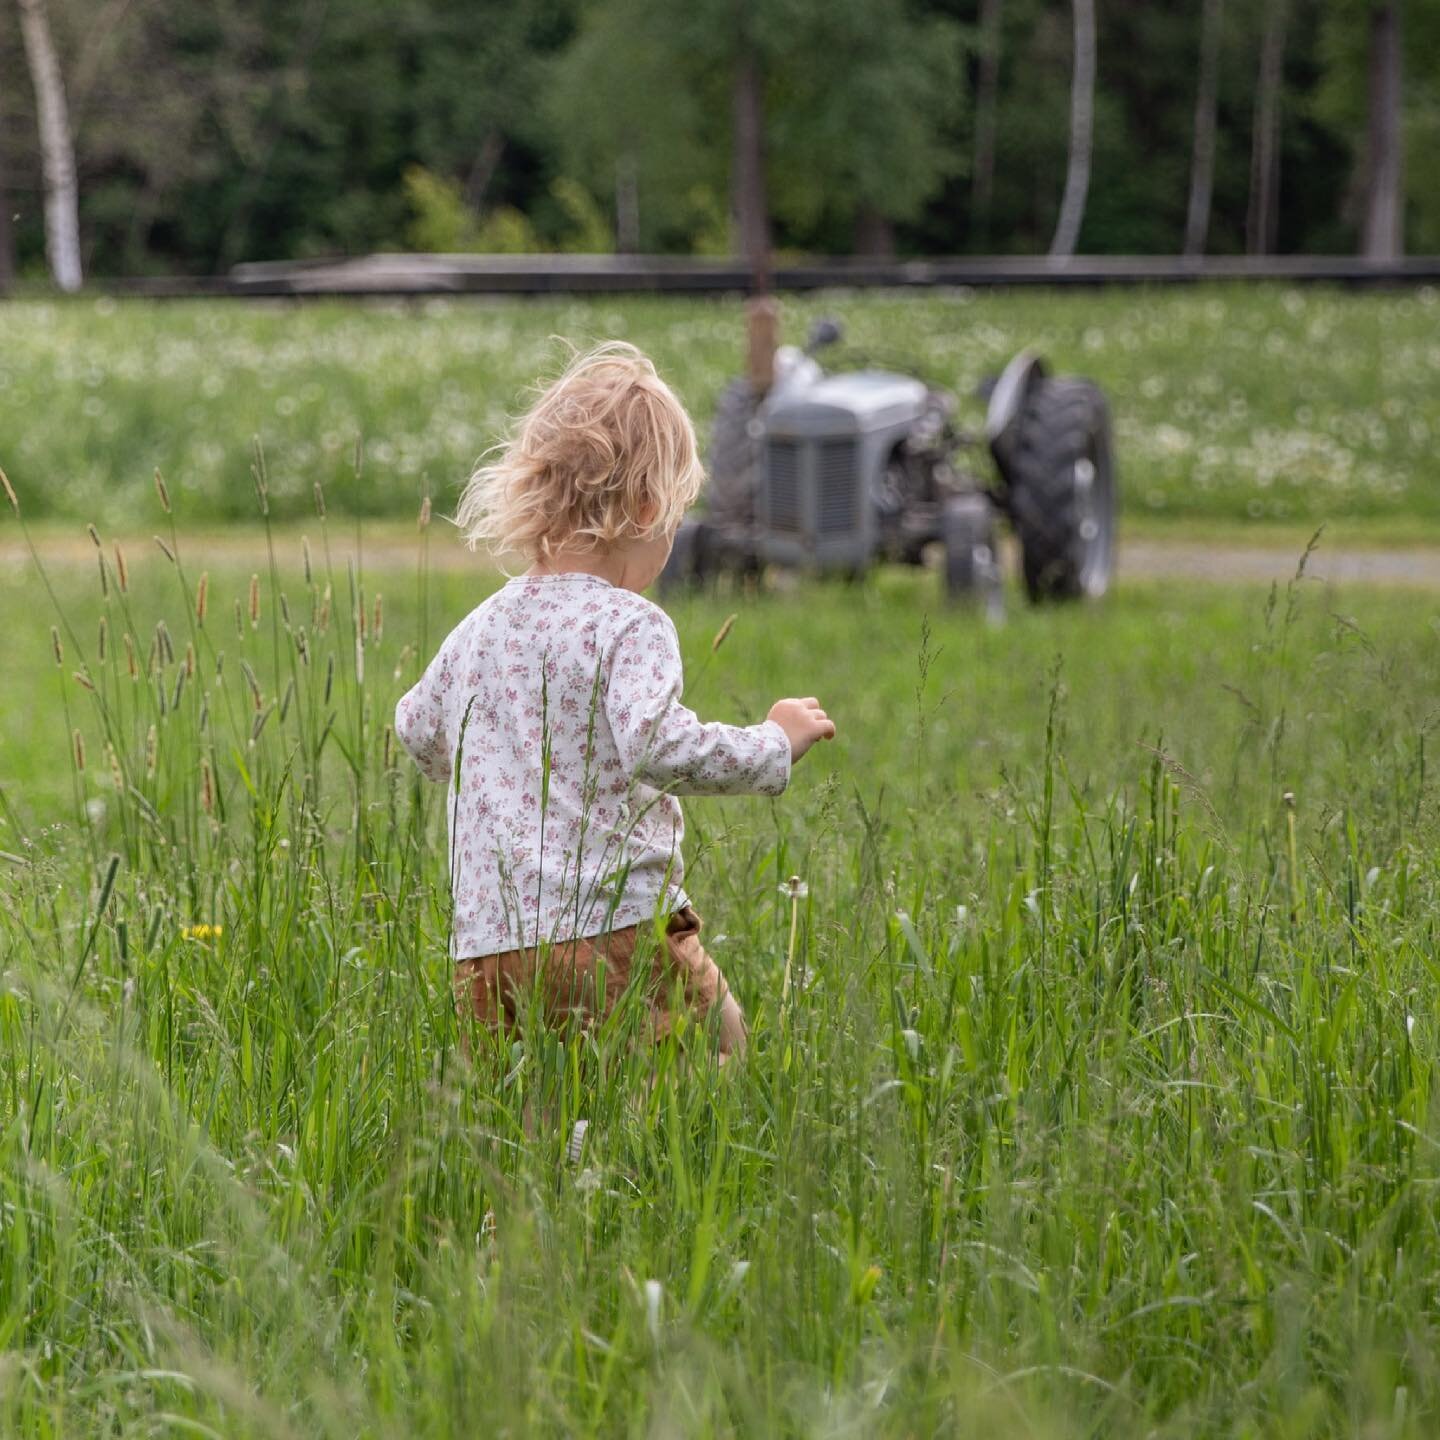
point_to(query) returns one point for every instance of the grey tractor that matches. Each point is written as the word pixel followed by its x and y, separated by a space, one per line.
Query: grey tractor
pixel 832 472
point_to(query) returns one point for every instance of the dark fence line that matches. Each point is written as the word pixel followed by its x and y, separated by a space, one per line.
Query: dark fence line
pixel 419 275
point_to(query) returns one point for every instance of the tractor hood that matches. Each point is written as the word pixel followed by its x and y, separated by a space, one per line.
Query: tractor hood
pixel 863 401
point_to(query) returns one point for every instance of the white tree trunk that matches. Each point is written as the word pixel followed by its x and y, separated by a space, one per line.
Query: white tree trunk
pixel 1384 200
pixel 1082 121
pixel 57 150
pixel 1202 158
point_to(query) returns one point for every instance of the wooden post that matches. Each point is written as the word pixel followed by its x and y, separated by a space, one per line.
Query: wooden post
pixel 762 332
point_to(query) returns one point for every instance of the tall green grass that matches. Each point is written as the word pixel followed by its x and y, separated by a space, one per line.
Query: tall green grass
pixel 1103 1104
pixel 1254 404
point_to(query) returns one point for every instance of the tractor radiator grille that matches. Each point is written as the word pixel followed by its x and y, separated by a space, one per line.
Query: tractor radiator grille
pixel 784 485
pixel 838 479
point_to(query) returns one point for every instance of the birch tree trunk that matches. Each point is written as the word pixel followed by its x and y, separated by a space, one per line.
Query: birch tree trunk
pixel 57 150
pixel 1202 157
pixel 1264 212
pixel 1082 120
pixel 1384 143
pixel 987 90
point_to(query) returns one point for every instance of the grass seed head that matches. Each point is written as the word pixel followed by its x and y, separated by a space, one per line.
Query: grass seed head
pixel 378 625
pixel 319 499
pixel 261 477
pixel 56 646
pixel 722 633
pixel 207 786
pixel 190 658
pixel 79 741
pixel 100 639
pixel 83 679
pixel 252 680
pixel 122 570
pixel 9 491
pixel 202 597
pixel 305 556
pixel 130 664
pixel 104 578
pixel 165 550
pixel 424 513
pixel 254 605
pixel 94 535
pixel 151 751
pixel 162 492
pixel 117 776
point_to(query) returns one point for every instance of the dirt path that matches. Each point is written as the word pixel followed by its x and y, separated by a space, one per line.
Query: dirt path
pixel 388 547
pixel 1181 560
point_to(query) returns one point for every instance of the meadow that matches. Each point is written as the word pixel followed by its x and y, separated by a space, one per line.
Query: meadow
pixel 1256 404
pixel 1103 1104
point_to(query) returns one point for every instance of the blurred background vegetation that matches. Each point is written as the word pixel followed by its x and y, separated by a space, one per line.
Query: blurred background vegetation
pixel 209 133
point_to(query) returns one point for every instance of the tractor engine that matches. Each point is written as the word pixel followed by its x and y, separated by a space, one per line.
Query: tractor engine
pixel 826 464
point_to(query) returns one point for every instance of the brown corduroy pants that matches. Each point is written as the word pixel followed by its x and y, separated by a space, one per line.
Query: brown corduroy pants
pixel 585 979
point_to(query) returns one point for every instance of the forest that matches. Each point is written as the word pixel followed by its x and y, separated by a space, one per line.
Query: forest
pixel 140 138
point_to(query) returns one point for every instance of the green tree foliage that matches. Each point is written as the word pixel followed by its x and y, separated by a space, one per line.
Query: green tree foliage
pixel 212 132
pixel 861 103
pixel 642 85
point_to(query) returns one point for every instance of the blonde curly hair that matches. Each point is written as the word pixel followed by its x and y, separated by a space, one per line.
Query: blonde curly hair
pixel 606 455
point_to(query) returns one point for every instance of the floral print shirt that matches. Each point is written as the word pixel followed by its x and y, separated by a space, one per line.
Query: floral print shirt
pixel 558 699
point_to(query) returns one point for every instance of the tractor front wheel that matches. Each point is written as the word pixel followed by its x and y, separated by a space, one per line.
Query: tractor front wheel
pixel 972 567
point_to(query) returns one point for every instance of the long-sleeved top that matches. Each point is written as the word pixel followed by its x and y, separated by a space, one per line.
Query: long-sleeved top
pixel 558 701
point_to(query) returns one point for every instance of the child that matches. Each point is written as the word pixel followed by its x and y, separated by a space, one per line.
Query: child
pixel 559 701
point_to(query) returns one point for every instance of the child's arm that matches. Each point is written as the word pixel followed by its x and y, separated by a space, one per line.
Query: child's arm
pixel 420 721
pixel 666 745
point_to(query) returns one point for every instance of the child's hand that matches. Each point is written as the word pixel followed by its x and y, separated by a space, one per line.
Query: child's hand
pixel 803 722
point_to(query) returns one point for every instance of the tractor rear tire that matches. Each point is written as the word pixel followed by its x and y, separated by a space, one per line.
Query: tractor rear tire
pixel 1061 491
pixel 734 456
